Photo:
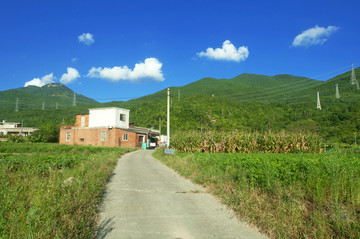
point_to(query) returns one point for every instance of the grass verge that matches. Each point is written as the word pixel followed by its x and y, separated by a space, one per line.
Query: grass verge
pixel 284 195
pixel 51 190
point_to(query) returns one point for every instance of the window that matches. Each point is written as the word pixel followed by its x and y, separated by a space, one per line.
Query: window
pixel 125 137
pixel 122 117
pixel 68 136
pixel 82 140
pixel 103 135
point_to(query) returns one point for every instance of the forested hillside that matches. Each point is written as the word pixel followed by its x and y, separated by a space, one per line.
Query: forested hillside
pixel 247 103
pixel 33 97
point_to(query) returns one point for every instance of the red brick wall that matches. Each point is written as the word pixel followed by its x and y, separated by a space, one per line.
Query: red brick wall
pixel 78 120
pixel 92 136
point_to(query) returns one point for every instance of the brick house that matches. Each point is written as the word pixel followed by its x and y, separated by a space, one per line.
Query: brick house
pixel 106 127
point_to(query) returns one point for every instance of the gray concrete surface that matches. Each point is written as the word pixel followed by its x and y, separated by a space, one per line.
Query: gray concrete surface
pixel 145 199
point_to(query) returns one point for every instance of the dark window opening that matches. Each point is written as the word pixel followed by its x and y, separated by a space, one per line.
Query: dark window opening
pixel 122 117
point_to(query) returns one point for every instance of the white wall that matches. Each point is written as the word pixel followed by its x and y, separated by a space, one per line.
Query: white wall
pixel 104 117
pixel 8 125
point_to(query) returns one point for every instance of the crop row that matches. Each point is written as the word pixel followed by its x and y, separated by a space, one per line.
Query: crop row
pixel 235 141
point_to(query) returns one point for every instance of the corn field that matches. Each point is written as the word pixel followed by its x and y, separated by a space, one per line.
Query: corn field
pixel 235 141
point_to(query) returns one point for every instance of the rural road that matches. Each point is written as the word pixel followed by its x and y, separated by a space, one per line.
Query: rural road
pixel 145 199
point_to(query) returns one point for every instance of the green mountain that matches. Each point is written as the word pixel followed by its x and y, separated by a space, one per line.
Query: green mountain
pixel 262 89
pixel 245 87
pixel 256 102
pixel 32 97
pixel 247 102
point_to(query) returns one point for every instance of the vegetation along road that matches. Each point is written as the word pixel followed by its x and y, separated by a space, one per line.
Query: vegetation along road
pixel 145 199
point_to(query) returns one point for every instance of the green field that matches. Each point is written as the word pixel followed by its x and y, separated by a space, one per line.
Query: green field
pixel 284 195
pixel 51 190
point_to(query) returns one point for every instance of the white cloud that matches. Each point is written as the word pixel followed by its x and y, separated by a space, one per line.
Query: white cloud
pixel 314 36
pixel 41 82
pixel 228 52
pixel 71 75
pixel 86 38
pixel 150 68
pixel 75 59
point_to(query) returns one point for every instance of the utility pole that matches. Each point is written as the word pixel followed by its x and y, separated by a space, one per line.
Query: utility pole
pixel 355 138
pixel 160 126
pixel 168 118
pixel 353 77
pixel 318 106
pixel 17 105
pixel 74 101
pixel 178 94
pixel 43 105
pixel 337 95
pixel 57 106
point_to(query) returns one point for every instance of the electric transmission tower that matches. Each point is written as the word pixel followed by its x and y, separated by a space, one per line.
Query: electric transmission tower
pixel 353 77
pixel 17 105
pixel 57 105
pixel 337 95
pixel 74 101
pixel 43 105
pixel 318 106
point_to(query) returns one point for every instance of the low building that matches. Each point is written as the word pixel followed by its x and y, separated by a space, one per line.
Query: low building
pixel 11 128
pixel 106 127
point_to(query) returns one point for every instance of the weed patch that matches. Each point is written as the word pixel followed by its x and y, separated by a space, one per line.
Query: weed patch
pixel 52 191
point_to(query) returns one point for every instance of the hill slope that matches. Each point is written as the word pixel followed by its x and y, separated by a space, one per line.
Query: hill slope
pixel 245 87
pixel 247 102
pixel 262 89
pixel 32 97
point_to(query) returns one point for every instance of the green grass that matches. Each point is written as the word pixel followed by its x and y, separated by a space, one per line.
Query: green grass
pixel 52 191
pixel 285 195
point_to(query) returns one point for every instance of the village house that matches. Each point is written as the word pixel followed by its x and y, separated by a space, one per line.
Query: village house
pixel 11 128
pixel 107 127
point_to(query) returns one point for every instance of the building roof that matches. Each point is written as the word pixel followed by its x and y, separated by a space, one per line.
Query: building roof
pixel 104 108
pixel 143 131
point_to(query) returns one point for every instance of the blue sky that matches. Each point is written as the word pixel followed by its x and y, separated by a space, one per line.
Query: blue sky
pixel 109 50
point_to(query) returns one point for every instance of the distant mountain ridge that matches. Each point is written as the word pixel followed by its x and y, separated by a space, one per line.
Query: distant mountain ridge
pixel 245 87
pixel 282 88
pixel 32 97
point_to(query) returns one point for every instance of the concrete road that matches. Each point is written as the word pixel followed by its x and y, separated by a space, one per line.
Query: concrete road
pixel 145 199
